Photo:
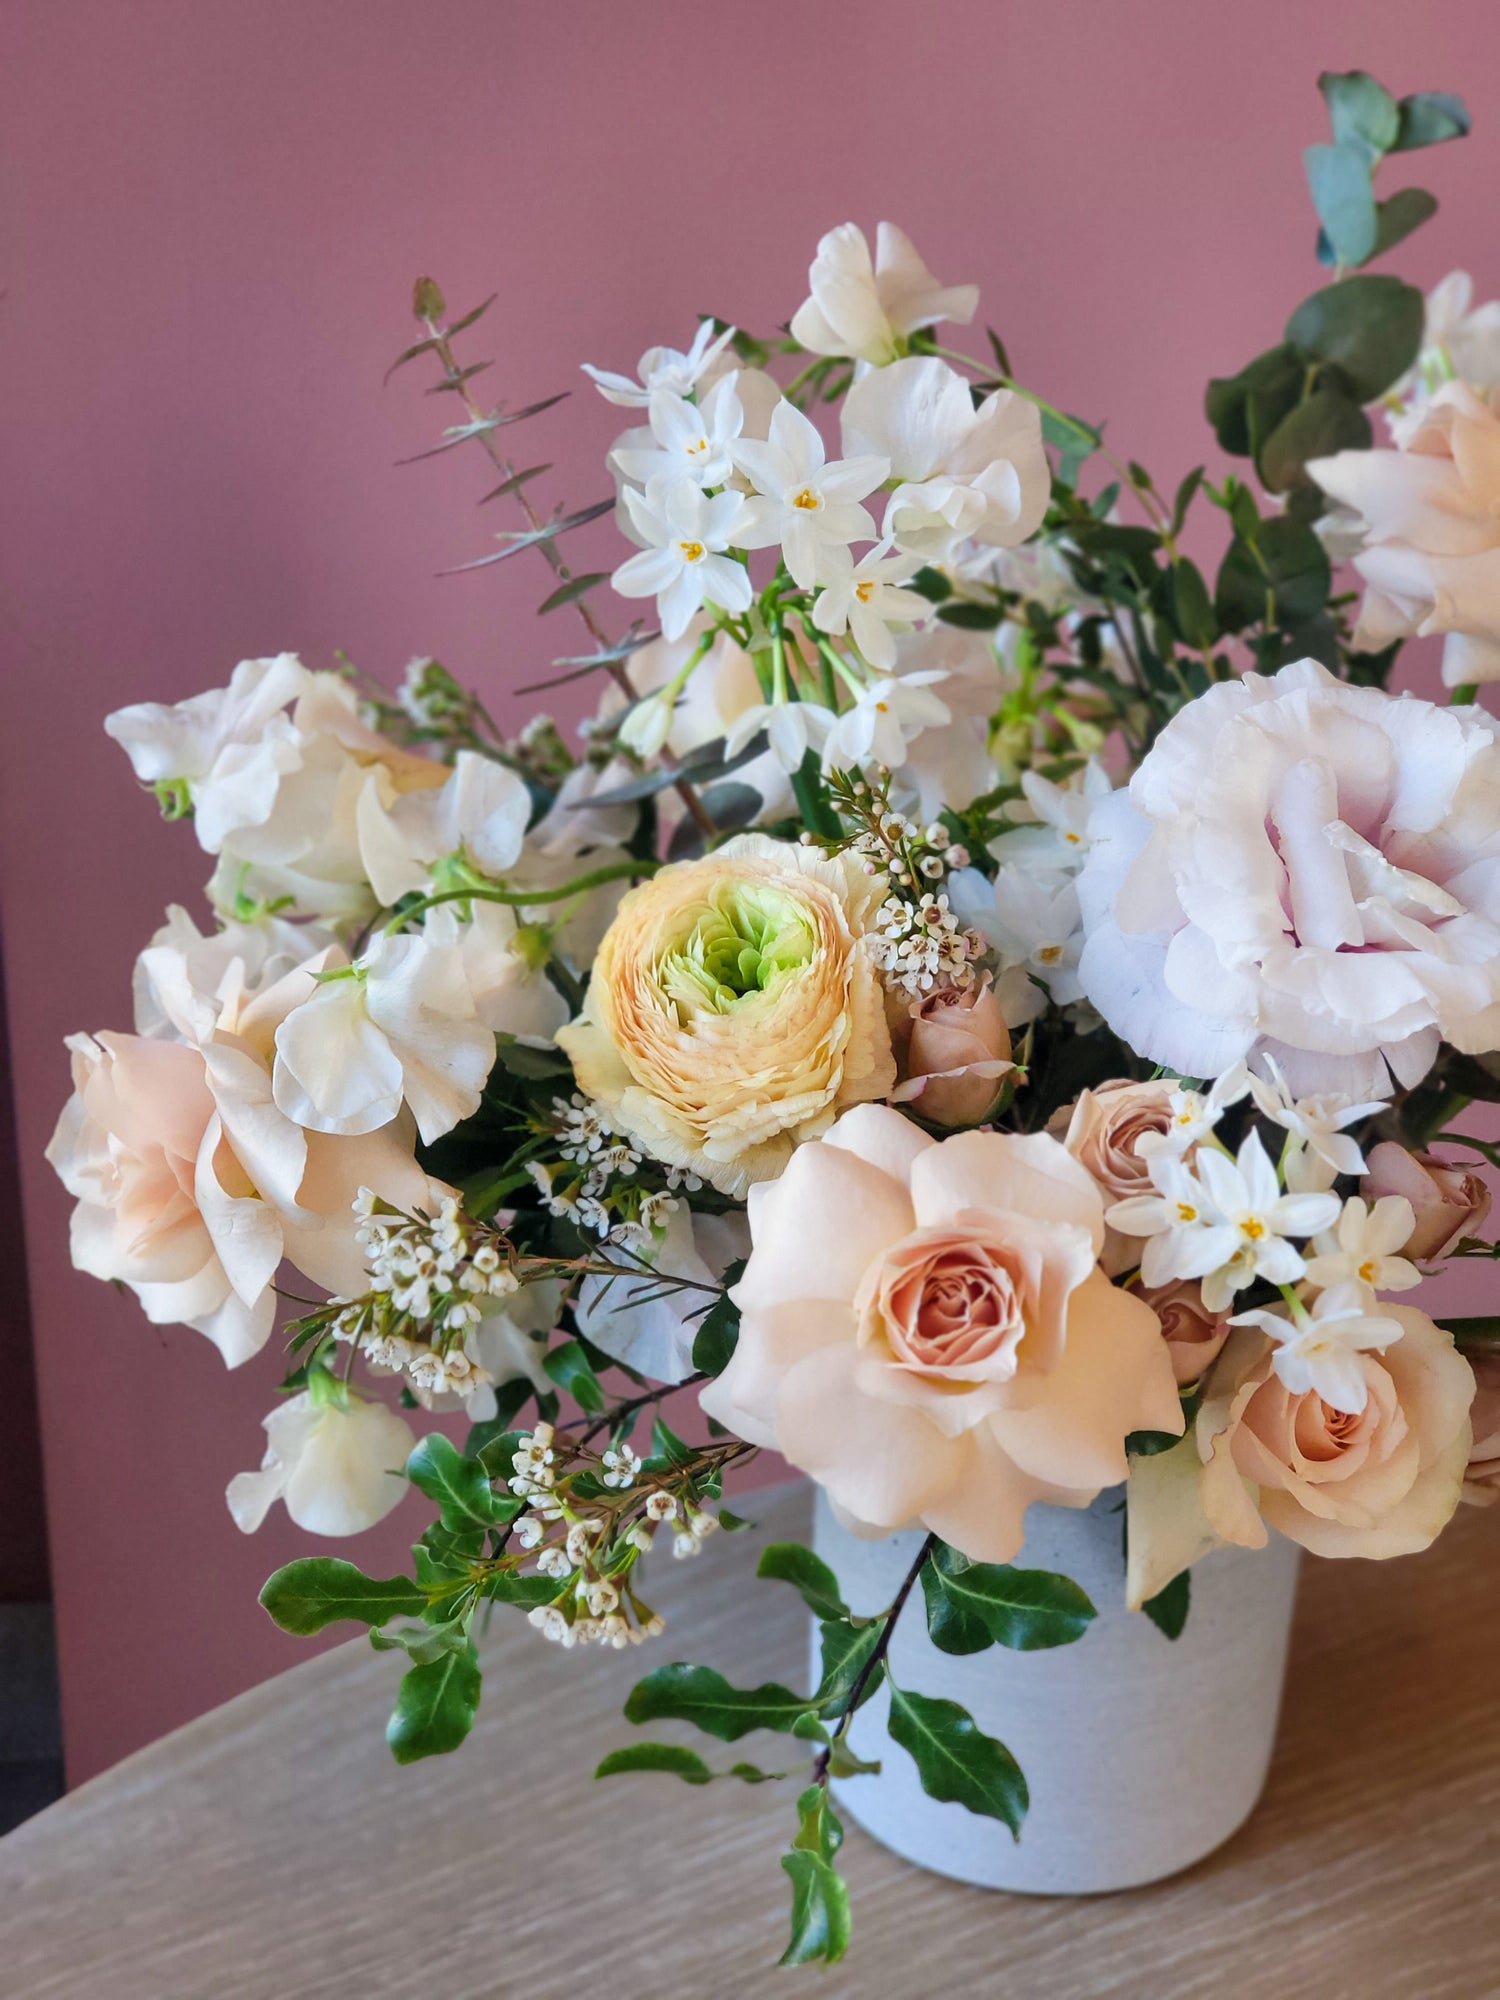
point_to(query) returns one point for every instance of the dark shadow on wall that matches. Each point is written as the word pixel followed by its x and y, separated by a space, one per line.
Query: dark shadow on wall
pixel 30 1741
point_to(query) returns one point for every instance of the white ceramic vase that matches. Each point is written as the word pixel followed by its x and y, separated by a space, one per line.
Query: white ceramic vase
pixel 1141 1754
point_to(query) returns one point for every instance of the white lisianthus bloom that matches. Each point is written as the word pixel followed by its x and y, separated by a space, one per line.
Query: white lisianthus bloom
pixel 1225 1221
pixel 690 441
pixel 1321 1149
pixel 338 1470
pixel 1360 1251
pixel 884 720
pixel 1303 868
pixel 1317 1353
pixel 792 729
pixel 801 501
pixel 1459 341
pixel 683 565
pixel 964 473
pixel 648 1325
pixel 1055 840
pixel 1431 518
pixel 479 812
pixel 663 368
pixel 865 309
pixel 865 598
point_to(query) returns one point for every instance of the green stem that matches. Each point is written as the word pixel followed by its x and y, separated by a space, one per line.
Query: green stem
pixel 615 871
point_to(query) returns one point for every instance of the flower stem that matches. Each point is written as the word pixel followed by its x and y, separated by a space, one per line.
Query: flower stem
pixel 877 1656
pixel 614 871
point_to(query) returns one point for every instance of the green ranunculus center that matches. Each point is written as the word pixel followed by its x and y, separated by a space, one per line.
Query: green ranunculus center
pixel 745 937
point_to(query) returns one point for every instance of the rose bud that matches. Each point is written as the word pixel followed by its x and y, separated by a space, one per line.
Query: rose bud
pixel 956 1055
pixel 1447 1202
pixel 1101 1131
pixel 1193 1334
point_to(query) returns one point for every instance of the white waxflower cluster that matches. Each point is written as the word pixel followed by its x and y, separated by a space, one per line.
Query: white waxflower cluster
pixel 1230 1220
pixel 600 1195
pixel 428 1282
pixel 922 945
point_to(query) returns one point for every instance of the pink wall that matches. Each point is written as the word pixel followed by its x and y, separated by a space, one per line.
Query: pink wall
pixel 215 213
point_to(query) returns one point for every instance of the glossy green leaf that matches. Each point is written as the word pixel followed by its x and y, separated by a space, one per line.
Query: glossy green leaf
pixel 671 1757
pixel 846 1652
pixel 435 1707
pixel 1282 577
pixel 422 1642
pixel 790 1562
pixel 568 1366
pixel 460 1486
pixel 973 1605
pixel 315 1591
pixel 1244 409
pixel 820 1897
pixel 1168 1610
pixel 1191 607
pixel 719 1329
pixel 704 1698
pixel 955 1760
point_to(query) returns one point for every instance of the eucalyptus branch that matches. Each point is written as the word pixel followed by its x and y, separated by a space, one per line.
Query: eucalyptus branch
pixel 482 422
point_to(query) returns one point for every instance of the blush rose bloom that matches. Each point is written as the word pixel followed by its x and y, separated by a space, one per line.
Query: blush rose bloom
pixel 1195 1336
pixel 1101 1130
pixel 954 1055
pixel 925 1331
pixel 1447 1201
pixel 1430 516
pixel 734 1009
pixel 1482 1478
pixel 1303 869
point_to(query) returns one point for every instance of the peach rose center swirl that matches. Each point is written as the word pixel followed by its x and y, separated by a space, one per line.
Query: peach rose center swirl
pixel 946 1304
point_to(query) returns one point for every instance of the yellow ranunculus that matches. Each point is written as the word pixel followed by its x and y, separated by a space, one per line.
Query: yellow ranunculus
pixel 734 1010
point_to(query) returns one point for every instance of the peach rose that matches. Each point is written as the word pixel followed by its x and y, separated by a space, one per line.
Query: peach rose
pixel 734 1009
pixel 1193 1334
pixel 1101 1130
pixel 191 1186
pixel 925 1331
pixel 1447 1202
pixel 954 1053
pixel 1382 1483
pixel 1482 1480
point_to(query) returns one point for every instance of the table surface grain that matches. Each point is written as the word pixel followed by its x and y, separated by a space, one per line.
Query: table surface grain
pixel 273 1848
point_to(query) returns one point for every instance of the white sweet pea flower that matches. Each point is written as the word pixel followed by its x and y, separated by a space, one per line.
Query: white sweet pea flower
pixel 662 368
pixel 883 721
pixel 690 441
pixel 479 812
pixel 864 309
pixel 806 504
pixel 1321 1150
pixel 792 729
pixel 866 599
pixel 683 565
pixel 339 1469
pixel 1360 1252
pixel 1228 1223
pixel 1318 1352
pixel 964 473
pixel 1056 839
pixel 1195 1113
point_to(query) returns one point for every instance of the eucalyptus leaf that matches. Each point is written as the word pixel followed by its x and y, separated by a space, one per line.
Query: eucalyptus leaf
pixel 1428 118
pixel 1338 178
pixel 1369 327
pixel 1362 112
pixel 1327 422
pixel 569 593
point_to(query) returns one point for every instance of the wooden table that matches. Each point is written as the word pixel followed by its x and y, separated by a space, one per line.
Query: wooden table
pixel 274 1849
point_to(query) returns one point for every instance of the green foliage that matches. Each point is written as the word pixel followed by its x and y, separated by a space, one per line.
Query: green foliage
pixel 974 1605
pixel 820 1896
pixel 846 1654
pixel 1368 123
pixel 719 1329
pixel 1168 1610
pixel 955 1760
pixel 672 1757
pixel 459 1485
pixel 704 1698
pixel 435 1706
pixel 1278 574
pixel 568 1366
pixel 790 1562
pixel 1369 328
pixel 315 1591
pixel 423 1643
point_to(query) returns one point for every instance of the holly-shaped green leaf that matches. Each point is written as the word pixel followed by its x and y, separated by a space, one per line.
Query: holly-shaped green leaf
pixel 704 1698
pixel 435 1707
pixel 955 1760
pixel 460 1486
pixel 315 1591
pixel 974 1605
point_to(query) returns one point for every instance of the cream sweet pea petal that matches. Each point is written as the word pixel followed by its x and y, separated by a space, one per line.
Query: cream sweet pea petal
pixel 924 1329
pixel 338 1470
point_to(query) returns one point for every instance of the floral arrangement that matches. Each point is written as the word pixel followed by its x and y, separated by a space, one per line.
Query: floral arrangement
pixel 984 1011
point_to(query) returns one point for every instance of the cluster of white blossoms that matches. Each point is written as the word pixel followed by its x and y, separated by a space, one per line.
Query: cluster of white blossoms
pixel 592 1179
pixel 1228 1221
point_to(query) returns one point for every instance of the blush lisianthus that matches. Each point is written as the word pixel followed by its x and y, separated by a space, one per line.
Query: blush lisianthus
pixel 1306 870
pixel 925 1331
pixel 734 1009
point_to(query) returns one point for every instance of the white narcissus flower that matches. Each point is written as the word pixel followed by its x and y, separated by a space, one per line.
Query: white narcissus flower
pixel 690 441
pixel 1321 1150
pixel 1030 920
pixel 792 729
pixel 1193 1114
pixel 1317 1353
pixel 863 309
pixel 885 719
pixel 339 1469
pixel 683 565
pixel 479 812
pixel 964 473
pixel 949 766
pixel 1431 515
pixel 1306 869
pixel 663 368
pixel 865 598
pixel 806 504
pixel 1055 840
pixel 1360 1251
